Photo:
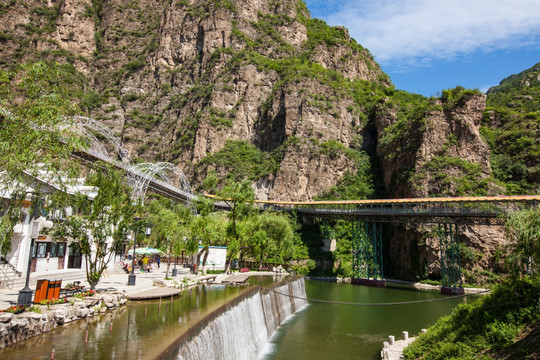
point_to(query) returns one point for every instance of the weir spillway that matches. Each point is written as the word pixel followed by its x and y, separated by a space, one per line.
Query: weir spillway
pixel 221 322
pixel 240 329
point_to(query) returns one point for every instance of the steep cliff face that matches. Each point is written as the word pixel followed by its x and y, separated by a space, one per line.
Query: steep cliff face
pixel 445 156
pixel 179 79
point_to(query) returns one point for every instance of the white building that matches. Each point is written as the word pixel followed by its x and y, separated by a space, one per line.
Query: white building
pixel 49 259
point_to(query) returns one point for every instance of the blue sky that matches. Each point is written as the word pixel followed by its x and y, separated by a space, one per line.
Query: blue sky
pixel 426 46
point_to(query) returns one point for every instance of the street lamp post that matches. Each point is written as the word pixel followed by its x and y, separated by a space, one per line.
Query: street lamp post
pixel 25 294
pixel 175 271
pixel 148 231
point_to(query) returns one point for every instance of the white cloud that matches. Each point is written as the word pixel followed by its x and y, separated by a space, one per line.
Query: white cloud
pixel 421 31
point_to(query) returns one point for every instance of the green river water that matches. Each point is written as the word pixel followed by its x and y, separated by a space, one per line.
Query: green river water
pixel 142 330
pixel 334 331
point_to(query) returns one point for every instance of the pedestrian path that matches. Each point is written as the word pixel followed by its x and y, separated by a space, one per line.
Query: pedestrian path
pixel 117 280
pixel 144 283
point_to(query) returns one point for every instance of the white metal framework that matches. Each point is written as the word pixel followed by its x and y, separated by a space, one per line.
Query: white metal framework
pixel 88 126
pixel 139 176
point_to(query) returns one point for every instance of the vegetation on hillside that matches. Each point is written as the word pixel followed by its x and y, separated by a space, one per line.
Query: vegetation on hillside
pixel 504 324
pixel 511 128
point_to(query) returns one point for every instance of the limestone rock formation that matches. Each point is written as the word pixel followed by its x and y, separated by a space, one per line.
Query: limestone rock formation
pixel 178 79
pixel 445 156
pixel 258 89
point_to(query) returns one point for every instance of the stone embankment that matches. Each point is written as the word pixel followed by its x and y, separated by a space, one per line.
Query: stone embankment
pixel 43 318
pixel 329 279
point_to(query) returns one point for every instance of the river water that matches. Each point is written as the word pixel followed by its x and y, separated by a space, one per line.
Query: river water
pixel 139 330
pixel 143 330
pixel 335 331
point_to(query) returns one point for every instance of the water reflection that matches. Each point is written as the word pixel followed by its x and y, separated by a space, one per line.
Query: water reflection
pixel 336 331
pixel 139 330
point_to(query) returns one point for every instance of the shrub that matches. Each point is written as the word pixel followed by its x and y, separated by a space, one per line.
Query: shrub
pixel 500 334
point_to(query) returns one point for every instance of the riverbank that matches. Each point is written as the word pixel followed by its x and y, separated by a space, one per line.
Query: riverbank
pixel 42 318
pixel 504 324
pixel 401 284
pixel 111 292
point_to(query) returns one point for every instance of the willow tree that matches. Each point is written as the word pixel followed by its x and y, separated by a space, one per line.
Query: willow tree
pixel 523 228
pixel 36 102
pixel 210 230
pixel 98 226
pixel 171 228
pixel 240 197
pixel 272 237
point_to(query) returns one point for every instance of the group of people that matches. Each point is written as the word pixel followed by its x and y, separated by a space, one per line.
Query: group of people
pixel 143 264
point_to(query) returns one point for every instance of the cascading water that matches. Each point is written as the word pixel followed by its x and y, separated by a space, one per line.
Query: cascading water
pixel 241 330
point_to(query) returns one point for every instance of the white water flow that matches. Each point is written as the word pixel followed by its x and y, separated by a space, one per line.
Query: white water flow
pixel 242 331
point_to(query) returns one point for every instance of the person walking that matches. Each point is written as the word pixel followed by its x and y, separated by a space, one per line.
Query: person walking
pixel 158 260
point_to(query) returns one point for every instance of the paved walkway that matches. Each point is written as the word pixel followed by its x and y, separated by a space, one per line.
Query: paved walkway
pixel 117 280
pixel 144 284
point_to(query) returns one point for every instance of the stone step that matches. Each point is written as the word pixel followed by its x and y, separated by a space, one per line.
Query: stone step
pixel 9 274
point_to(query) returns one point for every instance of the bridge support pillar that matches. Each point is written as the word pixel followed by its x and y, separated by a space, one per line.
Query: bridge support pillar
pixel 450 261
pixel 367 254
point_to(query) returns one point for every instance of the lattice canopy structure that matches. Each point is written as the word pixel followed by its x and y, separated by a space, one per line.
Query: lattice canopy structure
pixel 139 176
pixel 92 129
pixel 142 174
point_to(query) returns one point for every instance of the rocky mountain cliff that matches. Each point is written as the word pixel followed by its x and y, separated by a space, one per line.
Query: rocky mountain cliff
pixel 257 89
pixel 177 80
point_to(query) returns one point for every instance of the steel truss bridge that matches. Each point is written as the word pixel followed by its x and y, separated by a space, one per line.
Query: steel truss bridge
pixel 488 210
pixel 448 214
pixel 367 216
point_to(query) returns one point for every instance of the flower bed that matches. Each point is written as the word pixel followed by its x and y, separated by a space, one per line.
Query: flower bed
pixel 15 309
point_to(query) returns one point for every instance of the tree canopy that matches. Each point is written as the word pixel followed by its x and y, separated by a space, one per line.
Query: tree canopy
pixel 98 226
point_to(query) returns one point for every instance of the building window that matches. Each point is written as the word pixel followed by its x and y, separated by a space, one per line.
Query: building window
pixel 61 249
pixel 53 248
pixel 74 250
pixel 57 249
pixel 41 250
